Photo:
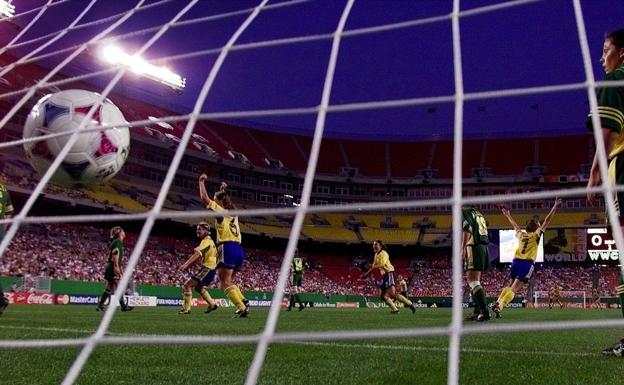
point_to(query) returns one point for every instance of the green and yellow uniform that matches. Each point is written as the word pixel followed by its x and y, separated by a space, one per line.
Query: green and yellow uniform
pixel 477 254
pixel 611 114
pixel 6 207
pixel 116 248
pixel 297 266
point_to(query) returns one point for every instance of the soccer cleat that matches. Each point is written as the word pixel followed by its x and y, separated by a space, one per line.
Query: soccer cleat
pixel 127 308
pixel 394 311
pixel 3 306
pixel 472 317
pixel 483 318
pixel 211 308
pixel 289 309
pixel 496 309
pixel 616 351
pixel 301 307
pixel 100 308
pixel 242 313
pixel 184 311
pixel 413 308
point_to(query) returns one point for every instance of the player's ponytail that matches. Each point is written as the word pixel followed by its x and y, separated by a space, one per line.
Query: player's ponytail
pixel 224 198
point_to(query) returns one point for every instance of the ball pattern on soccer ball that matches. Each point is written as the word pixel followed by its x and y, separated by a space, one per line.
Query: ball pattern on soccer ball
pixel 96 156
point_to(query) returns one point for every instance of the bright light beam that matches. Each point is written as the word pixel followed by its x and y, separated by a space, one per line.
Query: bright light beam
pixel 7 9
pixel 115 55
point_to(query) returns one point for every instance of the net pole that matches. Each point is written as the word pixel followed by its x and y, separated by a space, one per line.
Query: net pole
pixel 269 329
pixel 457 316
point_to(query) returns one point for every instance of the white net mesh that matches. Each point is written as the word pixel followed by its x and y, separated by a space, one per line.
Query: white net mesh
pixel 39 50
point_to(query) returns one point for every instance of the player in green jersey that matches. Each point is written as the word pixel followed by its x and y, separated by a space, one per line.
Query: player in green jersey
pixel 611 116
pixel 297 282
pixel 6 211
pixel 113 271
pixel 476 259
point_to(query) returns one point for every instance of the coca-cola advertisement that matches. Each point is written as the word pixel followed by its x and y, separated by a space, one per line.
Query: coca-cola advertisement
pixel 31 298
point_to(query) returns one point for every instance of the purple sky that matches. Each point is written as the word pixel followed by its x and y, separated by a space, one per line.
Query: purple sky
pixel 530 45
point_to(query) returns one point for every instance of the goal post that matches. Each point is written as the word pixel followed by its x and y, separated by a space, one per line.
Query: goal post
pixel 569 298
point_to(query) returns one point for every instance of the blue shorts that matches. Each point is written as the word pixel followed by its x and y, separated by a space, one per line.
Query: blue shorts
pixel 387 280
pixel 205 276
pixel 230 255
pixel 521 269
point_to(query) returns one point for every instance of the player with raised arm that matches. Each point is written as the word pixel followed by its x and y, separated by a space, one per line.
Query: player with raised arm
pixel 207 252
pixel 113 271
pixel 230 256
pixel 476 259
pixel 387 290
pixel 6 210
pixel 297 282
pixel 524 259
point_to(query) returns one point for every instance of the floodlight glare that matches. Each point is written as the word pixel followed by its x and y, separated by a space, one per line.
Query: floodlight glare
pixel 115 55
pixel 7 9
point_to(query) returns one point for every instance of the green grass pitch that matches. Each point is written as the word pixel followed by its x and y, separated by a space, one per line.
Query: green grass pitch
pixel 546 357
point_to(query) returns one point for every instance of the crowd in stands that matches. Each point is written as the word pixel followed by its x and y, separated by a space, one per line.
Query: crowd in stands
pixel 79 252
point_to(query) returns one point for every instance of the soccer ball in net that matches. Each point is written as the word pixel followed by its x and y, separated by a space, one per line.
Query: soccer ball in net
pixel 95 157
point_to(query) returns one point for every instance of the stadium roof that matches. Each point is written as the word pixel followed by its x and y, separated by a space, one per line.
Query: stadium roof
pixel 525 44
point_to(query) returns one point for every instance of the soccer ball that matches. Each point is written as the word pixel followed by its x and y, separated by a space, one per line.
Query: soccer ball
pixel 95 157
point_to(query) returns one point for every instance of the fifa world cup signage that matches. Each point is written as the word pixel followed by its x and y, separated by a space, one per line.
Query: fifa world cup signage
pixel 601 246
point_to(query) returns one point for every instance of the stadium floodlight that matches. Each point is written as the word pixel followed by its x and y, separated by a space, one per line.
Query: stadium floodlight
pixel 7 9
pixel 115 55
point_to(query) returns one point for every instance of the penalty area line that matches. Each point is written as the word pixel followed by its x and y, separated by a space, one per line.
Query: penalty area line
pixel 438 349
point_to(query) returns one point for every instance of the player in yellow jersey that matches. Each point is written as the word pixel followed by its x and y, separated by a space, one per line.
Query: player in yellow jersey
pixel 207 252
pixel 387 291
pixel 402 286
pixel 524 258
pixel 230 256
pixel 554 295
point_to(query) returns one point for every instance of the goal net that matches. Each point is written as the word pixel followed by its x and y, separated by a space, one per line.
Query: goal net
pixel 36 39
pixel 569 298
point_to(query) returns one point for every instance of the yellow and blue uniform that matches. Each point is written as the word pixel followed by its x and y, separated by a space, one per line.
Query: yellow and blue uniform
pixel 382 259
pixel 230 251
pixel 403 287
pixel 208 251
pixel 526 253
